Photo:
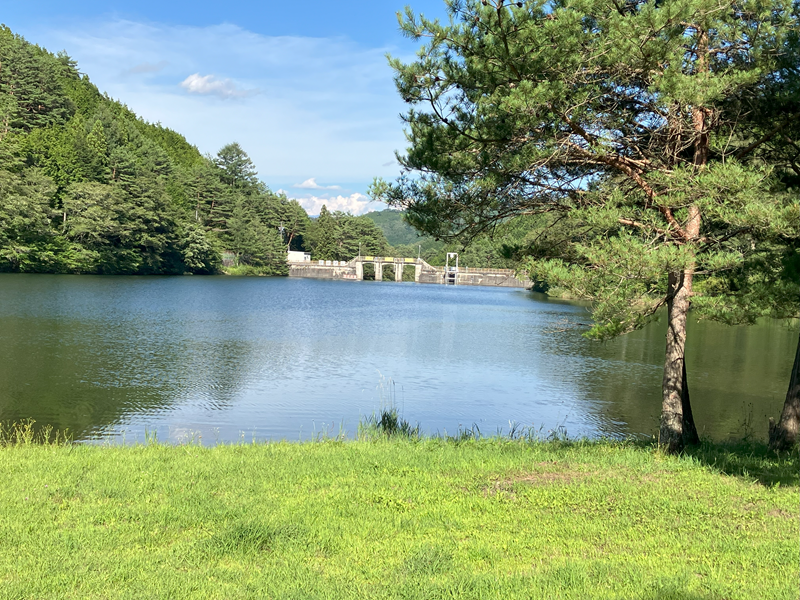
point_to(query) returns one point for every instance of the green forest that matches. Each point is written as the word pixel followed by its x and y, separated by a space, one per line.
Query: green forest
pixel 87 186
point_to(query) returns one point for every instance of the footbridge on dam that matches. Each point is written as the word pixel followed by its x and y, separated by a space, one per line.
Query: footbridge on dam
pixel 423 272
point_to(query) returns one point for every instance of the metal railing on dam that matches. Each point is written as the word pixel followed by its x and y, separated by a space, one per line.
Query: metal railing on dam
pixel 353 270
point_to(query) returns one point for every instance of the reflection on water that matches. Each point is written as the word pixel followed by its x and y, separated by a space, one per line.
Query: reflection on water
pixel 223 357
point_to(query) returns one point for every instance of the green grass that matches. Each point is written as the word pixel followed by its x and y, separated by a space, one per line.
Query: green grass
pixel 397 517
pixel 249 271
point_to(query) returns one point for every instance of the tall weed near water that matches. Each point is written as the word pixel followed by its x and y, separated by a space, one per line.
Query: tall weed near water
pixel 388 422
pixel 25 433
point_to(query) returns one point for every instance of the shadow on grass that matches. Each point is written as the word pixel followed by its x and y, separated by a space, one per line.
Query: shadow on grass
pixel 673 593
pixel 749 460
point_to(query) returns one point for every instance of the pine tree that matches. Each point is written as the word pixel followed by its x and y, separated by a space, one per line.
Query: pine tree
pixel 254 243
pixel 295 221
pixel 238 171
pixel 199 254
pixel 204 189
pixel 96 141
pixel 25 234
pixel 34 79
pixel 359 234
pixel 628 124
pixel 323 236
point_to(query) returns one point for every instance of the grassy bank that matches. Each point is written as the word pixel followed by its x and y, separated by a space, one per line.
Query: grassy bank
pixel 397 518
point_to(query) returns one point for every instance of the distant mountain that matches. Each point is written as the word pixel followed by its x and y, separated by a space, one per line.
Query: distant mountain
pixel 396 230
pixel 499 249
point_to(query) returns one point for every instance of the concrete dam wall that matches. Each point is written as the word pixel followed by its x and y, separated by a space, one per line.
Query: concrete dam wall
pixel 423 272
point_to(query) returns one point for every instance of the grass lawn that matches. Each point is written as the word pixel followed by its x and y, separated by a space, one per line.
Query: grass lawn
pixel 397 518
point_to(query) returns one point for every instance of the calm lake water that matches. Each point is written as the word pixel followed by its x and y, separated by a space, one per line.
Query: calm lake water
pixel 224 358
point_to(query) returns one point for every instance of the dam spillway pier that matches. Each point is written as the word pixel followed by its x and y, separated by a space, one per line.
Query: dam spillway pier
pixel 353 270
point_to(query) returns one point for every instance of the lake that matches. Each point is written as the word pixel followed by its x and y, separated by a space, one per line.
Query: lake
pixel 220 359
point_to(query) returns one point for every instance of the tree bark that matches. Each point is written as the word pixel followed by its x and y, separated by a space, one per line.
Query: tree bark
pixel 677 422
pixel 671 433
pixel 783 436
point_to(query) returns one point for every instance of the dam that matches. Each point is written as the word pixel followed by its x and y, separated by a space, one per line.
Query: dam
pixel 353 270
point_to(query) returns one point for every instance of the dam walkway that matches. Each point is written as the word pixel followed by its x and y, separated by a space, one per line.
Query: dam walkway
pixel 423 272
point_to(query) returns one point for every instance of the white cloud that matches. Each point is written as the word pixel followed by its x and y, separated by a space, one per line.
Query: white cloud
pixel 311 184
pixel 210 85
pixel 356 203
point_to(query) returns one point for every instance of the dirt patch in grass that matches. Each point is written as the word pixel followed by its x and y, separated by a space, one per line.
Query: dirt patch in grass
pixel 651 478
pixel 545 478
pixel 545 473
pixel 780 513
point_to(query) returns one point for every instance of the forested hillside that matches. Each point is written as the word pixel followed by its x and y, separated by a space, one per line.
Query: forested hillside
pixel 396 230
pixel 86 186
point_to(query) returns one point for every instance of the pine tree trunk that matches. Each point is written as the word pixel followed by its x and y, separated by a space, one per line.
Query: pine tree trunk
pixel 671 433
pixel 784 435
pixel 677 422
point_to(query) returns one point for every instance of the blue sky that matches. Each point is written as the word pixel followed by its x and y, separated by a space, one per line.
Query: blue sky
pixel 303 86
